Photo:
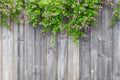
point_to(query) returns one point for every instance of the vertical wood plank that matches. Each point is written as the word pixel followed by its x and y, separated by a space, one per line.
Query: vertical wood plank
pixel 106 54
pixel 94 53
pixel 62 56
pixel 41 56
pixel 29 52
pixel 116 49
pixel 12 53
pixel 51 59
pixel 0 52
pixel 73 60
pixel 7 54
pixel 99 47
pixel 38 55
pixel 5 64
pixel 85 59
pixel 96 50
pixel 21 51
pixel 15 58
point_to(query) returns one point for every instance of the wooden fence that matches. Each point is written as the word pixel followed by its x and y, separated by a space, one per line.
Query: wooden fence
pixel 25 55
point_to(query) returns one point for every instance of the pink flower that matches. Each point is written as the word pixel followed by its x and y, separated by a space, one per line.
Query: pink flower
pixel 107 1
pixel 85 4
pixel 79 12
pixel 78 1
pixel 40 24
pixel 74 17
pixel 47 15
pixel 54 14
pixel 72 26
pixel 24 1
pixel 80 27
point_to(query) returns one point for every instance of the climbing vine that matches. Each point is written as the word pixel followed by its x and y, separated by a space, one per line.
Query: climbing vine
pixel 116 15
pixel 10 10
pixel 75 16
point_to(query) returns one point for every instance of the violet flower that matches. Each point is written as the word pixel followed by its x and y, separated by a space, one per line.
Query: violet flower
pixel 99 12
pixel 78 1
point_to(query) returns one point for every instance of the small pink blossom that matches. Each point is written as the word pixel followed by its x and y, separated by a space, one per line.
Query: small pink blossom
pixel 78 1
pixel 75 17
pixel 40 24
pixel 54 14
pixel 85 4
pixel 72 26
pixel 80 27
pixel 79 12
pixel 47 15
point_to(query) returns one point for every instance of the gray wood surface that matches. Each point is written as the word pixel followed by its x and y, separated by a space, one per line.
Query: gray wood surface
pixel 26 55
pixel 85 59
pixel 116 50
pixel 62 56
pixel 0 52
pixel 52 58
pixel 73 60
pixel 106 54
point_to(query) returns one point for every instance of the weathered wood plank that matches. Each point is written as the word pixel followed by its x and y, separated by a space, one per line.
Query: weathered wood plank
pixel 5 64
pixel 51 59
pixel 11 52
pixel 62 56
pixel 38 55
pixel 16 58
pixel 7 53
pixel 21 51
pixel 41 56
pixel 85 59
pixel 29 52
pixel 0 52
pixel 116 49
pixel 96 50
pixel 106 54
pixel 94 53
pixel 98 34
pixel 73 60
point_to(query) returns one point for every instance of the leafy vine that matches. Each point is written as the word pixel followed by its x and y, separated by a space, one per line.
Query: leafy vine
pixel 75 16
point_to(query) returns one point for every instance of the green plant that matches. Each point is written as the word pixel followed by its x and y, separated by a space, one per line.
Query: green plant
pixel 75 16
pixel 55 16
pixel 10 10
pixel 116 15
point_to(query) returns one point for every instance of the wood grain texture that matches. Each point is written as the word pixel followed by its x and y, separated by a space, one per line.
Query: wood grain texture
pixel 41 56
pixel 7 48
pixel 21 51
pixel 15 50
pixel 0 52
pixel 62 56
pixel 11 52
pixel 38 55
pixel 106 65
pixel 94 53
pixel 30 53
pixel 85 59
pixel 99 46
pixel 51 58
pixel 116 50
pixel 73 60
